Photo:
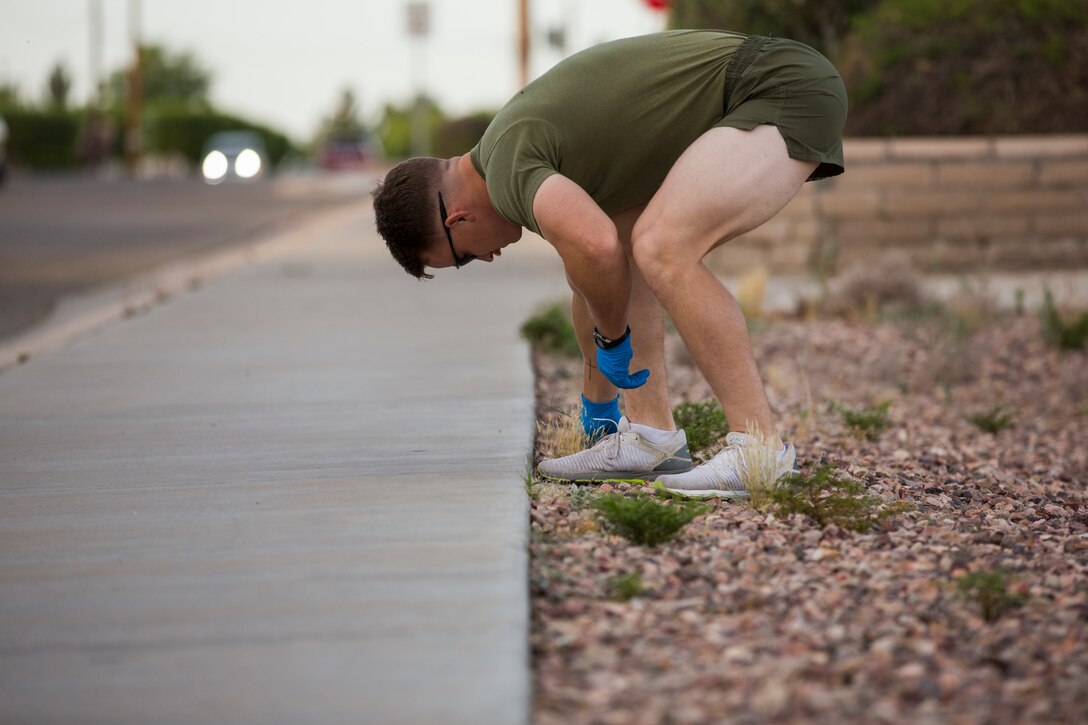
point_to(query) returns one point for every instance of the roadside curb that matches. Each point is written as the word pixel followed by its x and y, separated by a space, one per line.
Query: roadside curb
pixel 80 314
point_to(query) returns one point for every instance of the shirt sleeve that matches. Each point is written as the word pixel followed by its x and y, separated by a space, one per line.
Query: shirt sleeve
pixel 527 154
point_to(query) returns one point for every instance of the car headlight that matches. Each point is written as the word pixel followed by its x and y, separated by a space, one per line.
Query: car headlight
pixel 215 166
pixel 248 164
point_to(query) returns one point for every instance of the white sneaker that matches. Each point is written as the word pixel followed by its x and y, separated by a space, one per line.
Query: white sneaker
pixel 623 454
pixel 723 475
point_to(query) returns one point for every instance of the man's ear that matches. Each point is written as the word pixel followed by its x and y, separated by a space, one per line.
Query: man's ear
pixel 457 215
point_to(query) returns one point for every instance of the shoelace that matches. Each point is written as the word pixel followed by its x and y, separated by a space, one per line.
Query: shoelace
pixel 616 442
pixel 730 472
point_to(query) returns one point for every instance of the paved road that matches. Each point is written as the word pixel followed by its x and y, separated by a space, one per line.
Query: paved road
pixel 62 235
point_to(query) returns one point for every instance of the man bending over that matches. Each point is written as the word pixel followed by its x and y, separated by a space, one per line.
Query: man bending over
pixel 635 159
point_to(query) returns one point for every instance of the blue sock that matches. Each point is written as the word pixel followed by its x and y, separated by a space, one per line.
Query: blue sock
pixel 600 419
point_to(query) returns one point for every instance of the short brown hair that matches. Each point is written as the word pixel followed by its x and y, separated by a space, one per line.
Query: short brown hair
pixel 405 207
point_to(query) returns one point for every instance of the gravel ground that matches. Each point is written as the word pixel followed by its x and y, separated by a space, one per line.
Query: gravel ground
pixel 748 617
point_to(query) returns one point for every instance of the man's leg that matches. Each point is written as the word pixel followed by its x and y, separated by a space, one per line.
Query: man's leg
pixel 726 183
pixel 649 445
pixel 649 404
pixel 595 386
pixel 657 448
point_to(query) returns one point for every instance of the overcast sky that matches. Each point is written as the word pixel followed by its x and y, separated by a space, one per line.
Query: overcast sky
pixel 285 63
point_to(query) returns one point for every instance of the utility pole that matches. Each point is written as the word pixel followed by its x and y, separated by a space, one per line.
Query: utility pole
pixel 134 132
pixel 523 43
pixel 93 146
pixel 419 26
pixel 94 47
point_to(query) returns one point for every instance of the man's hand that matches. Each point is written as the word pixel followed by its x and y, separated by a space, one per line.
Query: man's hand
pixel 614 362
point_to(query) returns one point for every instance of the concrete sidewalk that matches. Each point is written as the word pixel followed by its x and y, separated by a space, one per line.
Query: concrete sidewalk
pixel 293 495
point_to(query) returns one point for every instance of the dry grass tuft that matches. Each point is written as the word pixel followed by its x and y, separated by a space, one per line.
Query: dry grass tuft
pixel 751 290
pixel 562 436
pixel 866 289
pixel 758 467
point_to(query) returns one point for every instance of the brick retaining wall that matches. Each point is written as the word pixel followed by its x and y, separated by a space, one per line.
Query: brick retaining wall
pixel 950 204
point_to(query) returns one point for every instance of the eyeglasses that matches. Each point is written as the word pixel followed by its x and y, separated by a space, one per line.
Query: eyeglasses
pixel 458 262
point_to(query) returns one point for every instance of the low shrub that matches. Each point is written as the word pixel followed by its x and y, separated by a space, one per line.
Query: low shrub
pixel 624 587
pixel 887 285
pixel 828 498
pixel 870 421
pixel 582 496
pixel 703 422
pixel 550 330
pixel 643 520
pixel 989 591
pixel 993 421
pixel 1059 333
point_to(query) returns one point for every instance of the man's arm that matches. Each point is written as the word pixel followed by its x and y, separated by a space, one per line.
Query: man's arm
pixel 589 245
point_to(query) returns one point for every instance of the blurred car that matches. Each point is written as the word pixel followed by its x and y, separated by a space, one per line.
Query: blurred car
pixel 3 150
pixel 234 156
pixel 337 154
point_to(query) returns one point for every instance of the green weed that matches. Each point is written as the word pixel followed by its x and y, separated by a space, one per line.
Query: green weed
pixel 550 330
pixel 870 421
pixel 993 421
pixel 1059 333
pixel 704 424
pixel 624 587
pixel 642 520
pixel 582 497
pixel 827 498
pixel 531 487
pixel 989 590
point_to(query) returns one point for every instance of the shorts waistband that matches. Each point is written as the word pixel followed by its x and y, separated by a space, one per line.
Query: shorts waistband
pixel 740 62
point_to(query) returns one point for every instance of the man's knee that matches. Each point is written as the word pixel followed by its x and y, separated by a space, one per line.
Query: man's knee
pixel 660 256
pixel 645 251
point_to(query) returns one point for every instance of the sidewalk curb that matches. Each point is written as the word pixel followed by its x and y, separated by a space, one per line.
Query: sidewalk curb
pixel 80 314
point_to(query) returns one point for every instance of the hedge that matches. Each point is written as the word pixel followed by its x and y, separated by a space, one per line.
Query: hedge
pixel 48 139
pixel 42 138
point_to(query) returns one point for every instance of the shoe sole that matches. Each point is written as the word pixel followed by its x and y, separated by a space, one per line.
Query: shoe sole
pixel 618 476
pixel 705 493
pixel 718 493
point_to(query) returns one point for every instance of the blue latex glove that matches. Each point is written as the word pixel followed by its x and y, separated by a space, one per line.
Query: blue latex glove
pixel 615 362
pixel 600 419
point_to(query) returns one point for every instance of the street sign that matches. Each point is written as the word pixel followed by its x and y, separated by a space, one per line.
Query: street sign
pixel 419 18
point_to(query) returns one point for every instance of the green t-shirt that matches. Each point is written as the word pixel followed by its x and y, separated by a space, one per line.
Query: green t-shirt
pixel 613 119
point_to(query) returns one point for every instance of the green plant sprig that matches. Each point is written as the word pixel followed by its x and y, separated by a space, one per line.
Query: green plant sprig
pixel 870 421
pixel 828 498
pixel 642 519
pixel 994 420
pixel 989 591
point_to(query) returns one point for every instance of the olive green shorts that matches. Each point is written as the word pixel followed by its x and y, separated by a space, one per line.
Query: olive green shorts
pixel 789 85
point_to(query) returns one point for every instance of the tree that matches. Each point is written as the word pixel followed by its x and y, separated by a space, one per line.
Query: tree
pixel 9 95
pixel 458 135
pixel 57 87
pixel 169 78
pixel 395 127
pixel 818 23
pixel 344 123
